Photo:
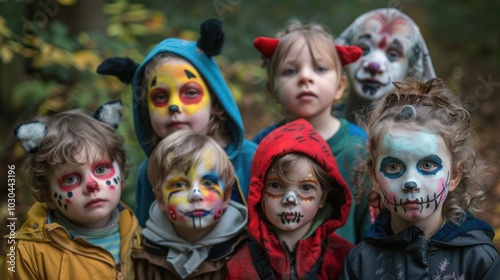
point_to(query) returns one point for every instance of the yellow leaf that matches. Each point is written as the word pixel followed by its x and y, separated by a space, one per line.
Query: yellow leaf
pixel 236 92
pixel 86 59
pixel 188 35
pixel 6 55
pixel 66 2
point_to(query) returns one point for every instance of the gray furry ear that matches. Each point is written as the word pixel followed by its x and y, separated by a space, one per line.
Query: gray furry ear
pixel 30 135
pixel 110 113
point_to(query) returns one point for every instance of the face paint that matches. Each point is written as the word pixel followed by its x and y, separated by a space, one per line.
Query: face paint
pixel 413 172
pixel 194 201
pixel 386 45
pixel 178 98
pixel 177 84
pixel 87 194
pixel 291 204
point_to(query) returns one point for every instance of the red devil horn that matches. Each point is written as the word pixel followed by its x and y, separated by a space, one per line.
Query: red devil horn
pixel 348 54
pixel 266 45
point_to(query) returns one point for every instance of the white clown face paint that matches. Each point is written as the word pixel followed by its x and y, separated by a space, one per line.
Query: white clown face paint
pixel 290 204
pixel 87 194
pixel 412 169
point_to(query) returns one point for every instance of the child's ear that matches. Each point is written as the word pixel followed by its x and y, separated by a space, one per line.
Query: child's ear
pixel 227 197
pixel 456 177
pixel 340 88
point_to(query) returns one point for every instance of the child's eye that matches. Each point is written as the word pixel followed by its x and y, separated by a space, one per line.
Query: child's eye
pixel 102 169
pixel 365 49
pixel 393 168
pixel 290 72
pixel 191 93
pixel 179 185
pixel 71 180
pixel 307 188
pixel 159 98
pixel 209 183
pixel 393 55
pixel 428 166
pixel 274 187
pixel 321 69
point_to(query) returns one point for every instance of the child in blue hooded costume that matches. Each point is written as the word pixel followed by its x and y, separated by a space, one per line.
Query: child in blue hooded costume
pixel 179 86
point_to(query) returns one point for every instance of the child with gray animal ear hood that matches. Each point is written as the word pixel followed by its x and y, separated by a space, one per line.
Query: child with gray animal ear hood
pixel 78 229
pixel 430 181
pixel 178 86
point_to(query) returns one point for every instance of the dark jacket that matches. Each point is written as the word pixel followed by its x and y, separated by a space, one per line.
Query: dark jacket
pixel 462 251
pixel 323 250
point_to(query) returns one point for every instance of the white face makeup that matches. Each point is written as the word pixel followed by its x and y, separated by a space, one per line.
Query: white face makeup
pixel 386 47
pixel 412 169
pixel 87 194
pixel 196 200
pixel 292 205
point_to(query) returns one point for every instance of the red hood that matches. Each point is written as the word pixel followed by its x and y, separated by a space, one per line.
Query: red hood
pixel 295 137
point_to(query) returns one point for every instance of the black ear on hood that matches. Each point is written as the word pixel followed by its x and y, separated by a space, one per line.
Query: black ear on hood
pixel 211 37
pixel 121 67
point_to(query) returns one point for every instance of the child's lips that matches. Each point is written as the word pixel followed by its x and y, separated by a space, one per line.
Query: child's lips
pixel 306 95
pixel 97 202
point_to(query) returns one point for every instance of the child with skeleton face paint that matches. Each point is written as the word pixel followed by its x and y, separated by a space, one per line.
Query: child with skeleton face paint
pixel 178 86
pixel 298 199
pixel 76 168
pixel 430 182
pixel 193 226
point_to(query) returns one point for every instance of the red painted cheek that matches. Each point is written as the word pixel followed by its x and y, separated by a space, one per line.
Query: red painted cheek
pixel 68 201
pixel 171 213
pixel 159 98
pixel 218 214
pixel 64 187
pixel 112 187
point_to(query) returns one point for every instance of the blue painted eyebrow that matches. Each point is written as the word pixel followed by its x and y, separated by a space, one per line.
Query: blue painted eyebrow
pixel 391 160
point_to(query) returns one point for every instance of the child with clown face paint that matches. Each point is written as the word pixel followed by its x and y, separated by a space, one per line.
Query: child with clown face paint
pixel 193 226
pixel 297 200
pixel 430 182
pixel 178 86
pixel 78 229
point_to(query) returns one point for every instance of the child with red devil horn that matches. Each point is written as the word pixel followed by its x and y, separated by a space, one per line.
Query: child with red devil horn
pixel 304 69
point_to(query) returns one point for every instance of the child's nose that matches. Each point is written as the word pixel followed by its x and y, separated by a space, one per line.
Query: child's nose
pixel 306 76
pixel 410 186
pixel 196 195
pixel 91 187
pixel 290 198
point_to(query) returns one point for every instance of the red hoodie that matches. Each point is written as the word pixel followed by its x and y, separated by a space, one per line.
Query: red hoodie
pixel 295 137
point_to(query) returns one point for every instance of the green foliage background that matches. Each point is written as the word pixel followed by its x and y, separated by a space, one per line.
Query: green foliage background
pixel 49 53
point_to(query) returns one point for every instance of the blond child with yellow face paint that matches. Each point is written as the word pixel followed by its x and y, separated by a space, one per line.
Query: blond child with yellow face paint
pixel 194 226
pixel 179 86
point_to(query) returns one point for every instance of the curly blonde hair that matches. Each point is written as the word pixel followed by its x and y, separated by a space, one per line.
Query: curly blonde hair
pixel 439 111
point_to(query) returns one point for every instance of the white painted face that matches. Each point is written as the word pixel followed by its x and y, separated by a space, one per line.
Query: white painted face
pixel 292 204
pixel 306 87
pixel 386 47
pixel 195 200
pixel 87 194
pixel 412 169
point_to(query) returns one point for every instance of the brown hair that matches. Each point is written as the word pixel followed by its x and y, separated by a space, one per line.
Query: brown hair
pixel 437 110
pixel 218 116
pixel 289 163
pixel 183 150
pixel 68 134
pixel 317 40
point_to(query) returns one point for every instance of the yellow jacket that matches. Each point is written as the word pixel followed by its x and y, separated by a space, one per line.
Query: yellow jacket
pixel 46 251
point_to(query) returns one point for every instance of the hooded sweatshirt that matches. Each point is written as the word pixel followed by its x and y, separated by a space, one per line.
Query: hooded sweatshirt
pixel 463 251
pixel 321 246
pixel 240 151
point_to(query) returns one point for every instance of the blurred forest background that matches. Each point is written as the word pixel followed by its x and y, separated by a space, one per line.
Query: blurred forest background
pixel 49 51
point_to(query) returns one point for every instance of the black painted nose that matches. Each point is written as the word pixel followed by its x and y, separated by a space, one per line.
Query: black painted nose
pixel 410 185
pixel 173 108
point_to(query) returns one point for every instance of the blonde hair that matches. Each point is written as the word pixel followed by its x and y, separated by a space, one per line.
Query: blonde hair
pixel 437 110
pixel 68 134
pixel 319 43
pixel 218 117
pixel 183 150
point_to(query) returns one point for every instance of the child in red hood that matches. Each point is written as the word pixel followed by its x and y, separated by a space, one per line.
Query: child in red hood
pixel 297 200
